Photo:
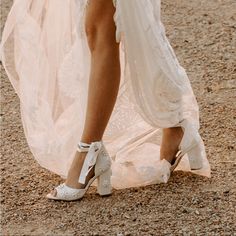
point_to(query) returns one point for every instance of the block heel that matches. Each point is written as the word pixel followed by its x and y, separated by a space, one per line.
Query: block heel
pixel 104 187
pixel 195 158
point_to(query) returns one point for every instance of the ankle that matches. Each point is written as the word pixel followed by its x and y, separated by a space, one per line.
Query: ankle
pixel 89 140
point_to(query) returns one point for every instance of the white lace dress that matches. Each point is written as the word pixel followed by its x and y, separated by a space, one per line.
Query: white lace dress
pixel 45 54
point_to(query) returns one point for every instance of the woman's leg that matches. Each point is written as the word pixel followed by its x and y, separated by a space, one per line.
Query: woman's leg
pixel 104 78
pixel 105 68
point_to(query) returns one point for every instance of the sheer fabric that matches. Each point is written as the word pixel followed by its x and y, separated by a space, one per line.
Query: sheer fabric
pixel 46 57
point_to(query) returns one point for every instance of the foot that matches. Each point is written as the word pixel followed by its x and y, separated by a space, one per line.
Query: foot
pixel 74 173
pixel 171 139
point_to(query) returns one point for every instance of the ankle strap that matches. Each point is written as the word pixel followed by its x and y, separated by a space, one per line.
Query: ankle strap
pixel 90 159
pixel 83 147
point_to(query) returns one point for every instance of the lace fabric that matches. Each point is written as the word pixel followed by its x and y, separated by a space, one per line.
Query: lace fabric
pixel 46 57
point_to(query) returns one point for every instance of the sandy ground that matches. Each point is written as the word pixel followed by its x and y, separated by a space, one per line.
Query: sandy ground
pixel 203 35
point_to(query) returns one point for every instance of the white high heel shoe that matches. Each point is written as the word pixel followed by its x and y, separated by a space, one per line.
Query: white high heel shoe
pixel 96 157
pixel 190 145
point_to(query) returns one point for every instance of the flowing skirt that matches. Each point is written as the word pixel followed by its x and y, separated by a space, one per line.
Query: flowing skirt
pixel 47 59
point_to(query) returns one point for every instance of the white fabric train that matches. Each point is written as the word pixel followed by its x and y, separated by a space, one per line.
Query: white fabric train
pixel 45 54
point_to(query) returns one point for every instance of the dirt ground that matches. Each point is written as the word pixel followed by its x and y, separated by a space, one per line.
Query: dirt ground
pixel 203 35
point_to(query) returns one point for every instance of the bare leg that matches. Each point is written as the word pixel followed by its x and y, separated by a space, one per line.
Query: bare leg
pixel 104 78
pixel 170 142
pixel 105 71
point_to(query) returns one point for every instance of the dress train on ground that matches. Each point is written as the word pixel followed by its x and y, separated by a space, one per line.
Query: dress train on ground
pixel 46 57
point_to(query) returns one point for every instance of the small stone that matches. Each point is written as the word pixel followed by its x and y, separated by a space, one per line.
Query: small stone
pixel 126 216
